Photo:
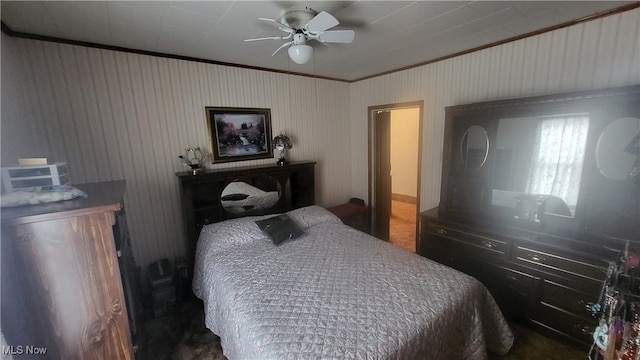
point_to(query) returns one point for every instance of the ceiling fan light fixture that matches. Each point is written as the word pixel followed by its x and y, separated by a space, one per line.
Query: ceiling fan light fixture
pixel 300 54
pixel 302 25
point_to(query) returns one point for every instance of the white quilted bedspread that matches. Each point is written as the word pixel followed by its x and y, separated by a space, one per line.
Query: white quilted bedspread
pixel 337 293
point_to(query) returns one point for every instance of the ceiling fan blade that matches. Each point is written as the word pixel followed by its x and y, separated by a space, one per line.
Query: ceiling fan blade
pixel 266 38
pixel 278 24
pixel 336 36
pixel 321 22
pixel 281 47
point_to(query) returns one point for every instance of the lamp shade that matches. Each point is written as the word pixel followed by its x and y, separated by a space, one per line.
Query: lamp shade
pixel 300 54
pixel 281 142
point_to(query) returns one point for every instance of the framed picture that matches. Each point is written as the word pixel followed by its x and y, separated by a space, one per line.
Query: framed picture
pixel 238 134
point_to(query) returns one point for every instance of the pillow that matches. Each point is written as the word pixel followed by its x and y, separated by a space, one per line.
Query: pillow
pixel 313 215
pixel 280 228
pixel 229 234
pixel 234 197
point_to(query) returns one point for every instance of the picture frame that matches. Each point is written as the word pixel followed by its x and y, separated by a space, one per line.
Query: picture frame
pixel 238 134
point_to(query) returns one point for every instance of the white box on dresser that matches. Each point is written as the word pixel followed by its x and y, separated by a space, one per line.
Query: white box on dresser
pixel 25 177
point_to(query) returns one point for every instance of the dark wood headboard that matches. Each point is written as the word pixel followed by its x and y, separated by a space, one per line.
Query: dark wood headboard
pixel 201 195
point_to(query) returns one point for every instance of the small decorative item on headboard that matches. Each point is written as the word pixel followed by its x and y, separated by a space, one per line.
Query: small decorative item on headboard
pixel 282 142
pixel 194 159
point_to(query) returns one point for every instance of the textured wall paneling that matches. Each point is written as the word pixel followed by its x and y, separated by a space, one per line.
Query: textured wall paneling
pixel 114 115
pixel 596 54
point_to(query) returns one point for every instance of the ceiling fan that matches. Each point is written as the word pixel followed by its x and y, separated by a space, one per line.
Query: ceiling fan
pixel 303 25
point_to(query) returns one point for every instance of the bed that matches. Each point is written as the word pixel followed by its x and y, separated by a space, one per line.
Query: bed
pixel 337 293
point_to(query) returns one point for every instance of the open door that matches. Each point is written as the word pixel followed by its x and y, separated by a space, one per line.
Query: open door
pixel 384 151
pixel 382 165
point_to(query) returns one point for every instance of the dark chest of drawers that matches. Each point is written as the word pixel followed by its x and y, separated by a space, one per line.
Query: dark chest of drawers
pixel 548 282
pixel 69 279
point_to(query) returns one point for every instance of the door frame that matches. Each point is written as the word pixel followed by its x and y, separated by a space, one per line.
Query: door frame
pixel 371 110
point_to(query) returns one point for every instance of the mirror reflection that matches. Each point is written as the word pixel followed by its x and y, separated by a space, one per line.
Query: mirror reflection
pixel 618 150
pixel 249 195
pixel 474 147
pixel 539 164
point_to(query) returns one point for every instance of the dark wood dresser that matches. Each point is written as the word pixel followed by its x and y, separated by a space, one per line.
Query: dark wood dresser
pixel 544 256
pixel 548 281
pixel 69 280
pixel 202 194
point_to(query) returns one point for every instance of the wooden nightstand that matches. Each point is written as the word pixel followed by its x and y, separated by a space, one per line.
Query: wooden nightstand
pixel 355 214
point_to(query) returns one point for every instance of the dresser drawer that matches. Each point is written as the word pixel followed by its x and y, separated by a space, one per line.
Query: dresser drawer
pixel 572 300
pixel 557 260
pixel 469 241
pixel 514 291
pixel 575 326
pixel 447 253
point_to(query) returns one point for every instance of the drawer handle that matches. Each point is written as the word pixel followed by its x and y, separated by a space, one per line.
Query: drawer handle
pixel 489 244
pixel 535 257
pixel 440 231
pixel 584 329
pixel 588 305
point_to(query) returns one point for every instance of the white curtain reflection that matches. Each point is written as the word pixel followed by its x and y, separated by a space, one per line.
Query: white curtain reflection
pixel 558 157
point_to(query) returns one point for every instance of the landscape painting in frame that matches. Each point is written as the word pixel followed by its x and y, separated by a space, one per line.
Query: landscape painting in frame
pixel 239 134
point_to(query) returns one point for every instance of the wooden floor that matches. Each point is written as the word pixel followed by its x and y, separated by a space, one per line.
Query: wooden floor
pixel 402 226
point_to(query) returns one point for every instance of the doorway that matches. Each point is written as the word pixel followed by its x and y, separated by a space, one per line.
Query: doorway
pixel 395 147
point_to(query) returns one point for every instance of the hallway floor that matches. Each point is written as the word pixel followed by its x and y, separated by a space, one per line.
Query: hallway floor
pixel 402 226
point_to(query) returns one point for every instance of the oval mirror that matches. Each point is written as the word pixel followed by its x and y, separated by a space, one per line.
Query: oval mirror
pixel 251 195
pixel 618 150
pixel 474 147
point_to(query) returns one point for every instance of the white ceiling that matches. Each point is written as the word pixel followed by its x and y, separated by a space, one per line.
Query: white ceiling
pixel 388 34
